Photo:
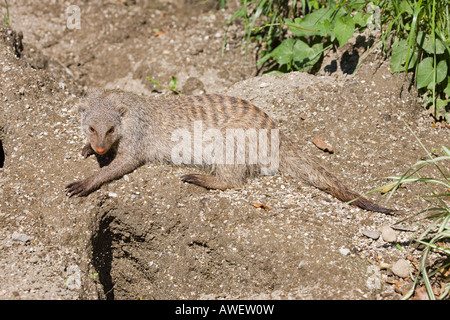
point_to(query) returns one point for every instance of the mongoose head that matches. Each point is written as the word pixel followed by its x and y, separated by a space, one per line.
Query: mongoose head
pixel 101 121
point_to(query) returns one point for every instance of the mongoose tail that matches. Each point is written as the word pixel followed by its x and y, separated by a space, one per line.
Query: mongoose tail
pixel 346 195
pixel 305 169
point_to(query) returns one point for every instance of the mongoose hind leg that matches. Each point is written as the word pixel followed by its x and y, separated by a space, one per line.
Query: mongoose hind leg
pixel 207 181
pixel 225 177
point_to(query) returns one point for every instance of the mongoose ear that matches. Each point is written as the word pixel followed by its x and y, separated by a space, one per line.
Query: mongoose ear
pixel 122 109
pixel 94 93
pixel 82 106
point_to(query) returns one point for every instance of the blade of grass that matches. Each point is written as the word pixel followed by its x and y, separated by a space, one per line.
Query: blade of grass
pixel 446 251
pixel 433 27
pixel 426 150
pixel 252 23
pixel 6 18
pixel 412 33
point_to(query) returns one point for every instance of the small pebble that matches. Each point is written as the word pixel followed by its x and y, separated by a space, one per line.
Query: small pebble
pixel 344 251
pixel 388 234
pixel 20 237
pixel 371 234
pixel 373 282
pixel 73 281
pixel 401 268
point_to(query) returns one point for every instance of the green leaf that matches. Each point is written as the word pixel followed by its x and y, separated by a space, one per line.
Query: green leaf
pixel 425 73
pixel 398 55
pixel 301 29
pixel 420 38
pixel 283 53
pixel 360 19
pixel 344 29
pixel 441 71
pixel 358 5
pixel 429 46
pixel 326 28
pixel 447 88
pixel 413 59
pixel 312 24
pixel 440 108
pixel 304 56
pixel 173 82
pixel 156 83
pixel 266 57
pixel 405 6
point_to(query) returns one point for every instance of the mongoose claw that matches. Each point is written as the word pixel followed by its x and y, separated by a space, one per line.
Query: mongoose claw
pixel 79 188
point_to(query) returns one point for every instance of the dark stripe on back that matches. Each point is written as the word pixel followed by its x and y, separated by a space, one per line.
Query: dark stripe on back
pixel 194 111
pixel 200 100
pixel 210 99
pixel 265 122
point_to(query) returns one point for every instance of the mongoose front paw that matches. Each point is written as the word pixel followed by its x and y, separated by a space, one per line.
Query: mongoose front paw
pixel 87 151
pixel 191 178
pixel 79 188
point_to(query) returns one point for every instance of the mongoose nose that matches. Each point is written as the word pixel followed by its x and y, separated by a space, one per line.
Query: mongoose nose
pixel 100 150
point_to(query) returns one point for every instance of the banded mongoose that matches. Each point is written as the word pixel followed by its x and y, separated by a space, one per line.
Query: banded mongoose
pixel 126 130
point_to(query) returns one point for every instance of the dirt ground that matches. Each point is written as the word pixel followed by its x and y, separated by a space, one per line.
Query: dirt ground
pixel 151 236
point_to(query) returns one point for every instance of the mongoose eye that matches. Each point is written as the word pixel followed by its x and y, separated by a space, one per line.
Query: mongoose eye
pixel 91 130
pixel 111 130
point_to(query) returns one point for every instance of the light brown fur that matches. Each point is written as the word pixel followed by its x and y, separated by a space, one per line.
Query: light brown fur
pixel 125 131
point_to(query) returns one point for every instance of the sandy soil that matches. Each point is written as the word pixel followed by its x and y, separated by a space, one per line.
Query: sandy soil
pixel 151 236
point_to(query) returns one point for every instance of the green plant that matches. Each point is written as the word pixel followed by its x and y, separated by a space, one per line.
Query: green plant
pixel 415 33
pixel 222 3
pixel 317 32
pixel 438 212
pixel 172 84
pixel 315 25
pixel 6 17
pixel 418 33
